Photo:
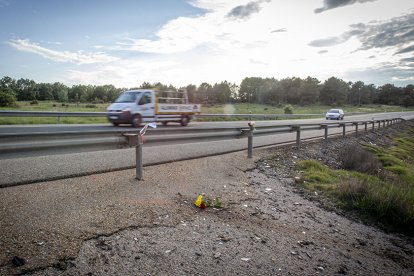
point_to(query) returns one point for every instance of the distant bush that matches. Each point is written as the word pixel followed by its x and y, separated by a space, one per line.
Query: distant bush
pixel 90 106
pixel 34 102
pixel 288 109
pixel 7 99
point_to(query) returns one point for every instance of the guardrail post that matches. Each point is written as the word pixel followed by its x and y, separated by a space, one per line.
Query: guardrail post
pixel 250 140
pixel 325 127
pixel 366 126
pixel 356 129
pixel 138 151
pixel 343 129
pixel 250 144
pixel 297 129
pixel 379 124
pixel 373 124
pixel 383 123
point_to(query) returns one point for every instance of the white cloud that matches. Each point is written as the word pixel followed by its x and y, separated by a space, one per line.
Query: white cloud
pixel 64 56
pixel 213 47
pixel 272 41
pixel 122 73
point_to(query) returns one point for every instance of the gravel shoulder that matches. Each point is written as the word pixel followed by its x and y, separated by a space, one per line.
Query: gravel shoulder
pixel 111 224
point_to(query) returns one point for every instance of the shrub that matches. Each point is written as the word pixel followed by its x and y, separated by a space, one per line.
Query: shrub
pixel 288 109
pixel 7 99
pixel 352 189
pixel 34 102
pixel 90 106
pixel 356 158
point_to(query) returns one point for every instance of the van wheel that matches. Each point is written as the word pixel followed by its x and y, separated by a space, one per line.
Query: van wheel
pixel 115 124
pixel 164 123
pixel 185 120
pixel 136 121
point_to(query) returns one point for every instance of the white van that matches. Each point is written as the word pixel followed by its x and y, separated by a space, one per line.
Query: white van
pixel 146 105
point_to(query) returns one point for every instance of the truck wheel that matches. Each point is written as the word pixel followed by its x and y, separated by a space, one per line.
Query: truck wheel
pixel 136 120
pixel 185 120
pixel 115 124
pixel 164 123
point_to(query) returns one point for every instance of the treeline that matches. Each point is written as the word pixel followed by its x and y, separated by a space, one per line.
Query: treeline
pixel 295 91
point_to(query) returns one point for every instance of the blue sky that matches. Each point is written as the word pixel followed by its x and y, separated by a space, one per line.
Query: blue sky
pixel 183 42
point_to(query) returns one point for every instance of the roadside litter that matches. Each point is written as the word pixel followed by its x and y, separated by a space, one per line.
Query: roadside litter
pixel 203 204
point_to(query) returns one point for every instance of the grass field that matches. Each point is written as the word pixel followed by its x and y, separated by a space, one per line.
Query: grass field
pixel 212 109
pixel 385 195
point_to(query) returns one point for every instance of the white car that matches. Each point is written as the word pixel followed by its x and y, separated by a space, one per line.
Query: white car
pixel 335 114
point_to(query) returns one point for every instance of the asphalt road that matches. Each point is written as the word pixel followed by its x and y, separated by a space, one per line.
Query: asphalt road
pixel 43 168
pixel 194 124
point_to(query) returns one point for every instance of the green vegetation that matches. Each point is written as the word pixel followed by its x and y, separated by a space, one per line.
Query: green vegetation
pixel 237 108
pixel 54 107
pixel 385 195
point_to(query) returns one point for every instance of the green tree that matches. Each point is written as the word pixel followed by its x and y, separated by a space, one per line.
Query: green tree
pixel 309 91
pixel 26 90
pixel 204 92
pixel 334 92
pixel 44 92
pixel 7 97
pixel 60 92
pixel 7 82
pixel 222 92
pixel 192 94
pixel 251 90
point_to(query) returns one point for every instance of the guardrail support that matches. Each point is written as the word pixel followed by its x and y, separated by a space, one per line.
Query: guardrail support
pixel 139 165
pixel 356 129
pixel 383 123
pixel 366 126
pixel 297 129
pixel 379 124
pixel 343 129
pixel 250 144
pixel 325 127
pixel 373 124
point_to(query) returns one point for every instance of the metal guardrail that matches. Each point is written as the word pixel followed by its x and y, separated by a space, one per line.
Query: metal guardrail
pixel 100 140
pixel 249 133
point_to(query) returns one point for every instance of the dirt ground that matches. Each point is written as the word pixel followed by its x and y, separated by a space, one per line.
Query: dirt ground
pixel 267 226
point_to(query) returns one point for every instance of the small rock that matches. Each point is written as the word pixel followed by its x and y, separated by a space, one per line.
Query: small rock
pixel 246 259
pixel 321 268
pixel 40 243
pixel 17 261
pixel 294 253
pixel 217 255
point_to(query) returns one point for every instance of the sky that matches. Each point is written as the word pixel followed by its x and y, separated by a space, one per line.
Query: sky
pixel 182 42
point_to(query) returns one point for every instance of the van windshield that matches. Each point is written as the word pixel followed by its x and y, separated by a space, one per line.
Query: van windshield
pixel 333 111
pixel 128 97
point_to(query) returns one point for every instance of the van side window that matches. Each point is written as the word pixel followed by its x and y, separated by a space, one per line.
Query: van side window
pixel 146 98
